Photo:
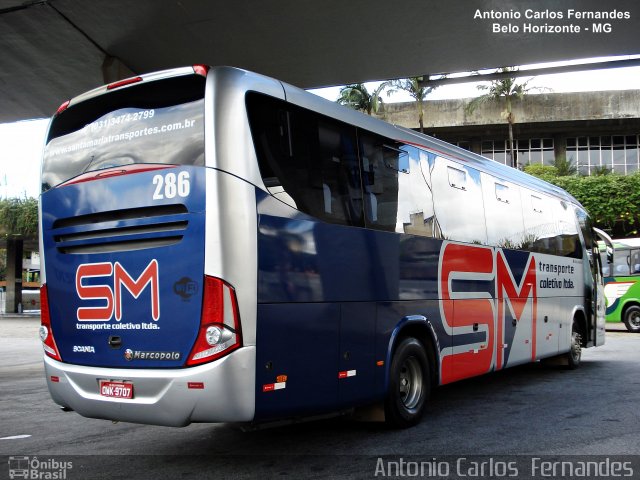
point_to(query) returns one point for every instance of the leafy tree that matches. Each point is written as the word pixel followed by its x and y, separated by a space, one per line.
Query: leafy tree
pixel 547 173
pixel 415 87
pixel 506 90
pixel 358 97
pixel 612 200
pixel 19 216
pixel 561 167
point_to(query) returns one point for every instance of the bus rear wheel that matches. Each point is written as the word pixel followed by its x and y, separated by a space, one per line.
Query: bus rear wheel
pixel 409 385
pixel 632 318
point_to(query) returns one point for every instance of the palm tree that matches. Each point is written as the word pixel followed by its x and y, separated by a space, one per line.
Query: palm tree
pixel 416 87
pixel 565 167
pixel 508 89
pixel 358 97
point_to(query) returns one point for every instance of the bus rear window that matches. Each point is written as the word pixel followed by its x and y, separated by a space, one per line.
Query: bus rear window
pixel 158 122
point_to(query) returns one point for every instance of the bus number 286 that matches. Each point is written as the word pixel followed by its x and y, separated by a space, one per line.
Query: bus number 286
pixel 170 185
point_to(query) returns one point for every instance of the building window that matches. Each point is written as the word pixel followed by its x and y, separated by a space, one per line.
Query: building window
pixel 464 144
pixel 534 150
pixel 497 150
pixel 616 153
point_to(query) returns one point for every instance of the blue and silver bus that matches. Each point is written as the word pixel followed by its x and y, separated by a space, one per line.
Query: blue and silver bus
pixel 219 246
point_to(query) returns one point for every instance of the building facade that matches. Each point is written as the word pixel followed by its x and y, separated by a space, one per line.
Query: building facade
pixel 594 130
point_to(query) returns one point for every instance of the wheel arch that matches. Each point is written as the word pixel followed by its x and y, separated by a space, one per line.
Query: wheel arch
pixel 420 328
pixel 629 303
pixel 580 319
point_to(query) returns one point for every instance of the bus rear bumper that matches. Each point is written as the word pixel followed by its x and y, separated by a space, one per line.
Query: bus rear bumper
pixel 221 391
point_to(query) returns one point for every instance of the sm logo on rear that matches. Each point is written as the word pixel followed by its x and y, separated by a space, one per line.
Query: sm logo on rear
pixel 107 283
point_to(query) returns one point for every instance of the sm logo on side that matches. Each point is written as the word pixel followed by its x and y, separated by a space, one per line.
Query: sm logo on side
pixel 116 278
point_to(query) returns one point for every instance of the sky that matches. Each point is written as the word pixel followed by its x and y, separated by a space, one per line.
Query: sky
pixel 21 143
pixel 593 80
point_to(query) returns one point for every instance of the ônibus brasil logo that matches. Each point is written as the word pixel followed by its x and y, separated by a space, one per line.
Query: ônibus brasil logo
pixel 110 292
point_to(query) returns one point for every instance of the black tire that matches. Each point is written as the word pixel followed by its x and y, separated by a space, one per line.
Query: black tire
pixel 575 353
pixel 409 385
pixel 632 318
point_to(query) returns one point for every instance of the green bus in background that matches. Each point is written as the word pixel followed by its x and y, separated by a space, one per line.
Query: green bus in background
pixel 622 283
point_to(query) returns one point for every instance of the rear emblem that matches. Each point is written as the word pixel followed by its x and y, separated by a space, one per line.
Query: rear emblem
pixel 185 288
pixel 143 355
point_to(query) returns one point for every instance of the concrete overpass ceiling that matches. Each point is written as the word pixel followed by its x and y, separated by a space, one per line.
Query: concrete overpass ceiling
pixel 55 49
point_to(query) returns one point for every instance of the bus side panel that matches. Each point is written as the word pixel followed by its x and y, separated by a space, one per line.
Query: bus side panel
pixel 321 288
pixel 356 358
pixel 620 290
pixel 486 305
pixel 297 359
pixel 301 260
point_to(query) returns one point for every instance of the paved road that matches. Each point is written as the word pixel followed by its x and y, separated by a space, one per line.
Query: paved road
pixel 529 410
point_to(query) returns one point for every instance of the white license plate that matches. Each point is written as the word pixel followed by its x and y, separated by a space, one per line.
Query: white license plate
pixel 116 389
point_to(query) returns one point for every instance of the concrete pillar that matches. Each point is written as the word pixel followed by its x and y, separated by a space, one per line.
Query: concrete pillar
pixel 14 275
pixel 476 145
pixel 560 148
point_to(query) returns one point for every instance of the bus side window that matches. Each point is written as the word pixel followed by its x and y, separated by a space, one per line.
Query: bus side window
pixel 590 244
pixel 460 211
pixel 306 160
pixel 503 211
pixel 415 202
pixel 606 270
pixel 326 151
pixel 539 223
pixel 634 262
pixel 567 240
pixel 380 160
pixel 621 262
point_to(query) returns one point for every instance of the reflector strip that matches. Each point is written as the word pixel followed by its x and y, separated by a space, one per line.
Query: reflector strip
pixel 48 349
pixel 270 387
pixel 347 373
pixel 55 379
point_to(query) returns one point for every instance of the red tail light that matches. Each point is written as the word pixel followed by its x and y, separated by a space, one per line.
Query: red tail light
pixel 114 172
pixel 219 332
pixel 63 107
pixel 46 334
pixel 201 70
pixel 122 83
